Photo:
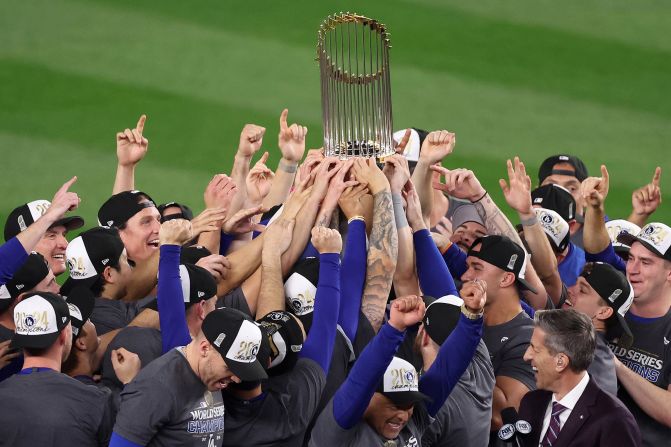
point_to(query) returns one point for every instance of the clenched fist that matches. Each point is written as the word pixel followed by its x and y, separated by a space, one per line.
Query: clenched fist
pixel 326 240
pixel 406 311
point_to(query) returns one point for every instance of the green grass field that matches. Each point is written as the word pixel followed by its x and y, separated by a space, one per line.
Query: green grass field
pixel 528 78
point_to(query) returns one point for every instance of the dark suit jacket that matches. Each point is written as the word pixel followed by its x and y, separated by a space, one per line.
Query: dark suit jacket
pixel 598 419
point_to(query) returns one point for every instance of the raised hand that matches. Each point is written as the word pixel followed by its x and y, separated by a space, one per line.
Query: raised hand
pixel 414 209
pixel 259 180
pixel 278 235
pixel 131 144
pixel 251 139
pixel 322 176
pixel 241 222
pixel 594 190
pixel 437 145
pixel 291 139
pixel 217 265
pixel 474 294
pixel 126 364
pixel 297 199
pixel 646 199
pixel 175 232
pixel 220 192
pixel 63 200
pixel 406 311
pixel 517 191
pixel 326 240
pixel 459 183
pixel 312 160
pixel 336 187
pixel 397 171
pixel 366 171
pixel 209 220
pixel 400 147
pixel 7 354
pixel 352 202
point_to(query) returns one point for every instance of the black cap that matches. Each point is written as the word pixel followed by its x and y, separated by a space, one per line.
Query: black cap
pixel 555 198
pixel 39 318
pixel 300 289
pixel 400 383
pixel 89 254
pixel 654 236
pixel 502 252
pixel 184 211
pixel 80 302
pixel 441 317
pixel 120 207
pixel 546 169
pixel 197 285
pixel 613 287
pixel 34 270
pixel 285 339
pixel 238 339
pixel 25 215
pixel 193 254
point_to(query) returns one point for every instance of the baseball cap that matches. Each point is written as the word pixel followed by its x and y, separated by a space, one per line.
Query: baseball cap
pixel 400 383
pixel 25 215
pixel 285 339
pixel 613 287
pixel 654 236
pixel 122 206
pixel 555 198
pixel 197 285
pixel 184 211
pixel 546 169
pixel 441 317
pixel 39 318
pixel 617 227
pixel 193 254
pixel 417 137
pixel 555 227
pixel 80 301
pixel 502 252
pixel 460 212
pixel 34 270
pixel 89 253
pixel 300 289
pixel 238 339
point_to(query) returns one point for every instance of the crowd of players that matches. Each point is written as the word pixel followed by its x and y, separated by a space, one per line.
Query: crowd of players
pixel 339 302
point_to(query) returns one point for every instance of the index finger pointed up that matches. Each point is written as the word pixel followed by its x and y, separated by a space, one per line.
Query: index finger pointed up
pixel 283 119
pixel 140 123
pixel 604 174
pixel 67 184
pixel 404 141
pixel 657 176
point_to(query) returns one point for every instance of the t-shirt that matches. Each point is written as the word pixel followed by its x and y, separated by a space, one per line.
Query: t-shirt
pixel 145 342
pixel 235 299
pixel 465 417
pixel 280 416
pixel 48 408
pixel 602 368
pixel 328 433
pixel 571 266
pixel 168 405
pixel 650 357
pixel 108 315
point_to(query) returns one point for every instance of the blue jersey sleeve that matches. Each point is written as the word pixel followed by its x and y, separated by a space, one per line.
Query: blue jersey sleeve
pixel 455 259
pixel 171 312
pixel 12 257
pixel 352 278
pixel 607 256
pixel 120 441
pixel 434 275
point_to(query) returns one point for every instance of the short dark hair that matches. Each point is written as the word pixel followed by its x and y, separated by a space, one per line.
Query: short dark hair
pixel 569 332
pixel 99 284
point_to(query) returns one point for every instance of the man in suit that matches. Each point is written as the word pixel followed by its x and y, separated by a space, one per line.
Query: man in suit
pixel 568 408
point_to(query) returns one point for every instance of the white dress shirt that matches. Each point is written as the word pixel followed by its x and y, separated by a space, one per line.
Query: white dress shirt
pixel 568 401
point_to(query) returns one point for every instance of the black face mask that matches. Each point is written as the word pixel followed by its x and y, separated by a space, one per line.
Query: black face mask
pixel 244 386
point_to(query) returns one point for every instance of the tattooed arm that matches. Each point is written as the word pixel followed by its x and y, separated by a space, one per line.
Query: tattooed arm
pixel 383 243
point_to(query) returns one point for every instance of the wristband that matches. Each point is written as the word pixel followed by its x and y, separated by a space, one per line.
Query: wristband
pixel 471 315
pixel 529 222
pixel 482 197
pixel 399 212
pixel 288 167
pixel 353 218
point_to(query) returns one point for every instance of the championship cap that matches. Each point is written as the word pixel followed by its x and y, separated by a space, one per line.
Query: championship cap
pixel 300 289
pixel 613 287
pixel 400 383
pixel 502 252
pixel 579 170
pixel 238 339
pixel 555 198
pixel 89 253
pixel 80 301
pixel 197 285
pixel 621 226
pixel 417 137
pixel 555 227
pixel 122 206
pixel 441 317
pixel 31 273
pixel 285 339
pixel 25 215
pixel 184 211
pixel 39 318
pixel 655 236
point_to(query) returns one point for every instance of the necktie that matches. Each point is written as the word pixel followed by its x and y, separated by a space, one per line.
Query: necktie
pixel 553 430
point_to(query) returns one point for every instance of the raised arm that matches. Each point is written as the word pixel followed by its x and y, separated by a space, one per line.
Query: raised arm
pixel 594 191
pixel 436 146
pixel 219 193
pixel 646 199
pixel 653 400
pixel 131 147
pixel 383 243
pixel 251 139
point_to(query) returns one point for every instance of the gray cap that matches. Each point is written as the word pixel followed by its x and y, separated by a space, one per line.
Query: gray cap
pixel 460 212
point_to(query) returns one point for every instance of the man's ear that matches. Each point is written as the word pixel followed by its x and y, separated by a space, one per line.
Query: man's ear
pixel 604 313
pixel 562 362
pixel 107 275
pixel 507 280
pixel 80 343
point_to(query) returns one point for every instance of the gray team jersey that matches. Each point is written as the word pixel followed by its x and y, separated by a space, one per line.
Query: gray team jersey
pixel 168 405
pixel 281 415
pixel 602 368
pixel 48 408
pixel 328 433
pixel 465 417
pixel 145 342
pixel 112 314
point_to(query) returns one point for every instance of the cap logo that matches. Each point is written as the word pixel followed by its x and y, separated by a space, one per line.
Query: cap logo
pixel 219 339
pixel 300 293
pixel 613 296
pixel 402 379
pixel 110 223
pixel 296 348
pixel 201 294
pixel 64 319
pixel 511 263
pixel 246 344
pixel 20 286
pixel 563 158
pixel 570 209
pixel 246 352
pixel 547 218
pixel 22 223
pixel 538 200
pixel 37 322
pixel 658 235
pixel 105 261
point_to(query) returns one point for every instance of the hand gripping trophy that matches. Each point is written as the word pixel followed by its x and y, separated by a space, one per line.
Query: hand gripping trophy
pixel 353 55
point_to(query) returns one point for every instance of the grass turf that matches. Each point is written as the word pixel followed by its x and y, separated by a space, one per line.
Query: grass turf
pixel 527 77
